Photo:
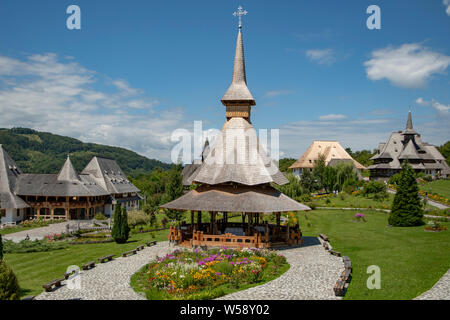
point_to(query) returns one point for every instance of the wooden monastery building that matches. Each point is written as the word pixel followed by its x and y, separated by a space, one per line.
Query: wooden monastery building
pixel 333 153
pixel 407 145
pixel 66 195
pixel 234 178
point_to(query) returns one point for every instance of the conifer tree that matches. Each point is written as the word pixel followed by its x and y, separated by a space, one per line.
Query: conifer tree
pixel 124 228
pixel 9 286
pixel 407 208
pixel 116 229
pixel 1 248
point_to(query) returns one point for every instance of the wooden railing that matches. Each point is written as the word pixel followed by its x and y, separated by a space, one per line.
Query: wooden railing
pixel 194 238
pixel 226 240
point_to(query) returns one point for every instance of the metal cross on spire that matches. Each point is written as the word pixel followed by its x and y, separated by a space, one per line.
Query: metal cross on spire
pixel 239 14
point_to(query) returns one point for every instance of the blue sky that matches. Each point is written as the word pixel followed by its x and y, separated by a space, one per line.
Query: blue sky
pixel 137 70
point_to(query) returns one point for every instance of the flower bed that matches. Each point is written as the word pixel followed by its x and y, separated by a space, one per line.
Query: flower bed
pixel 198 274
pixel 435 197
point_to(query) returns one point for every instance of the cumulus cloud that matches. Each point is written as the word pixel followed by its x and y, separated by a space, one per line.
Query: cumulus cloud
pixel 447 6
pixel 407 66
pixel 57 95
pixel 356 133
pixel 443 111
pixel 321 56
pixel 332 116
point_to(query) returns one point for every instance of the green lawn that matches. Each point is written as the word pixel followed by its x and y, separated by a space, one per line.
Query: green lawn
pixel 15 229
pixel 36 268
pixel 441 187
pixel 411 260
pixel 352 201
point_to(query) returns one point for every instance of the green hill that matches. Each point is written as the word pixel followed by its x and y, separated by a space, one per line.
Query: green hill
pixel 43 152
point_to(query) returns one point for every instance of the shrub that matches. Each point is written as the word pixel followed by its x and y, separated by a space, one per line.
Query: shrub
pixel 395 179
pixel 305 198
pixel 9 286
pixel 138 218
pixel 26 246
pixel 100 216
pixel 376 189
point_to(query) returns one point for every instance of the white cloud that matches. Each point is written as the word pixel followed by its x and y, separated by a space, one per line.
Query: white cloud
pixel 446 3
pixel 332 116
pixel 321 56
pixel 46 93
pixel 422 102
pixel 408 66
pixel 356 133
pixel 443 111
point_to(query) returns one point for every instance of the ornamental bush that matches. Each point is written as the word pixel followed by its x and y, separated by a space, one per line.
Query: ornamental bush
pixel 406 209
pixel 9 286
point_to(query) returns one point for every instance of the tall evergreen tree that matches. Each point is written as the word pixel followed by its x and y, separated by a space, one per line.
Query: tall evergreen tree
pixel 1 248
pixel 117 222
pixel 407 208
pixel 124 228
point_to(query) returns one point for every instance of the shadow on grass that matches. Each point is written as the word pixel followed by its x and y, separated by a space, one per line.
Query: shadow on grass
pixel 307 242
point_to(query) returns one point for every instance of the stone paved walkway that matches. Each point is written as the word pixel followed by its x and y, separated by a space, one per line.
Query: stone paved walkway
pixel 312 275
pixel 440 291
pixel 110 280
pixel 40 233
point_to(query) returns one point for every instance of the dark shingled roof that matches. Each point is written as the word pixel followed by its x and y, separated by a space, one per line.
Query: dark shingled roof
pixel 9 173
pixel 107 173
pixel 408 145
pixel 226 198
pixel 50 185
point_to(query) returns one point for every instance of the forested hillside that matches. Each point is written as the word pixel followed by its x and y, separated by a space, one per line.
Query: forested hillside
pixel 43 152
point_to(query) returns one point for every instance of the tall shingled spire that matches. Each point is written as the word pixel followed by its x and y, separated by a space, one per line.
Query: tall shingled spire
pixel 238 98
pixel 409 126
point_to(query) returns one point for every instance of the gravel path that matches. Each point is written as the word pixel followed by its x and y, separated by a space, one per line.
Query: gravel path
pixel 440 291
pixel 312 275
pixel 40 233
pixel 110 280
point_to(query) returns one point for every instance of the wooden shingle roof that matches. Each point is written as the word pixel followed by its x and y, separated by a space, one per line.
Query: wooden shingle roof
pixel 228 198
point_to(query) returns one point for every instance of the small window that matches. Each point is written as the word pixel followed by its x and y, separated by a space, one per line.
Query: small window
pixel 2 213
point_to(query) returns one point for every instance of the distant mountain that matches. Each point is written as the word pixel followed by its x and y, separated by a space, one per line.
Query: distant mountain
pixel 43 152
